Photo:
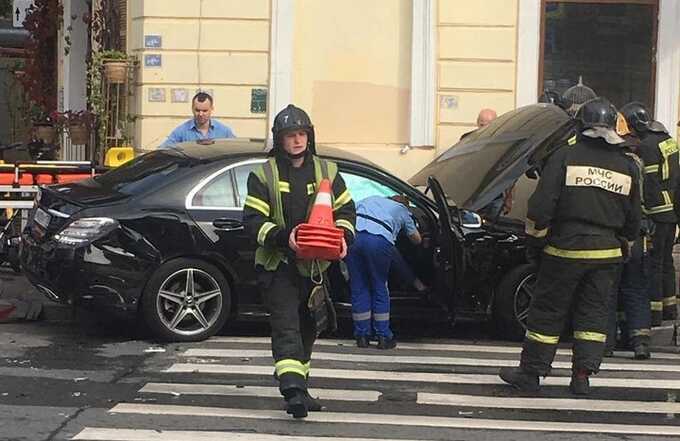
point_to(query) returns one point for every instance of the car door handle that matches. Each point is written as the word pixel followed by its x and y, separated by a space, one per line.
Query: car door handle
pixel 227 224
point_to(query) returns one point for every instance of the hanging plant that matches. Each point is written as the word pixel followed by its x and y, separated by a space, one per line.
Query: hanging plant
pixel 115 66
pixel 78 124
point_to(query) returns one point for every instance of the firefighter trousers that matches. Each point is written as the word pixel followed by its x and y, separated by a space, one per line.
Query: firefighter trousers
pixel 662 274
pixel 285 293
pixel 568 290
pixel 630 306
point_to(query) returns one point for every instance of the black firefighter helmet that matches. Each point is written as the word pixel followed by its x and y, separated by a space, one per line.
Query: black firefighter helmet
pixel 638 118
pixel 289 119
pixel 576 96
pixel 598 120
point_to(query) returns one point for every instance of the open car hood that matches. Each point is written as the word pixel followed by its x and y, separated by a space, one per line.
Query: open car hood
pixel 489 160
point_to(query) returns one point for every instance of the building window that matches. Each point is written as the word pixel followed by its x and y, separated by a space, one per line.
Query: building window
pixel 610 44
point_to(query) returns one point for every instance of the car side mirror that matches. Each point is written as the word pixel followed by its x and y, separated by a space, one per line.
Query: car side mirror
pixel 471 219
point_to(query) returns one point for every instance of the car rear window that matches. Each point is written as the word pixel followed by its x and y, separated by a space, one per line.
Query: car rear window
pixel 146 172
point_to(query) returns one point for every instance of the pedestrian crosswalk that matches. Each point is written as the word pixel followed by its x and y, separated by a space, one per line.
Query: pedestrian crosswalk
pixel 224 389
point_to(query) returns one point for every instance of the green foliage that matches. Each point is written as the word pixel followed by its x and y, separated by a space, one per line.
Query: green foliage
pixel 95 92
pixel 114 55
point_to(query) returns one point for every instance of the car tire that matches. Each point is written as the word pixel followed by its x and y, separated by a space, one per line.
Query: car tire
pixel 511 302
pixel 172 315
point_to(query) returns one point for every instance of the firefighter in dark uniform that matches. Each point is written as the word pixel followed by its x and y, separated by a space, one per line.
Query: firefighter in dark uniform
pixel 280 195
pixel 659 152
pixel 582 218
pixel 630 302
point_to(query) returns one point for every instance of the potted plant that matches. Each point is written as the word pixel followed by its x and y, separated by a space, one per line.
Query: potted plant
pixel 78 125
pixel 43 125
pixel 115 66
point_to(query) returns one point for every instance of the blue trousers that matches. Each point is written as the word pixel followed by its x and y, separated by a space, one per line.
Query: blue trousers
pixel 633 300
pixel 368 262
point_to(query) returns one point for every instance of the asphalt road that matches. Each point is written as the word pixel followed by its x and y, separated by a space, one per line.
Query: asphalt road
pixel 91 381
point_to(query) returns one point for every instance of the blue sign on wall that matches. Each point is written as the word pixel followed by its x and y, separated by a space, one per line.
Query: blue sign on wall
pixel 153 41
pixel 153 60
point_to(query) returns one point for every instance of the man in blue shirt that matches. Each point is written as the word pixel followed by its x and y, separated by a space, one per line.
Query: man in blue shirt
pixel 201 126
pixel 379 221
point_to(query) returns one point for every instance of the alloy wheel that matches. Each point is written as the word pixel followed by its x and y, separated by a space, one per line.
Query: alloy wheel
pixel 189 301
pixel 522 299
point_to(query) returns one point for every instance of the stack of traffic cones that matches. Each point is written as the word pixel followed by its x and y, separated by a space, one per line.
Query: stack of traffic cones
pixel 319 238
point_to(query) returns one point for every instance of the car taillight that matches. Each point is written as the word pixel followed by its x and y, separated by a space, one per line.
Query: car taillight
pixel 86 230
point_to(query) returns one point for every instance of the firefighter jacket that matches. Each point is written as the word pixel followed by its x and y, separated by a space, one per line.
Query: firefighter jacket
pixel 587 203
pixel 659 152
pixel 280 197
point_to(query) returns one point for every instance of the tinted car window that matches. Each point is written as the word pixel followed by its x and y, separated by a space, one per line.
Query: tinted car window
pixel 218 193
pixel 361 187
pixel 241 174
pixel 147 171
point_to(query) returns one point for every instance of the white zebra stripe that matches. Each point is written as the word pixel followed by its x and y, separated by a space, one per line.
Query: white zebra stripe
pixel 322 343
pixel 398 420
pixel 549 403
pixel 111 434
pixel 255 391
pixel 404 359
pixel 420 377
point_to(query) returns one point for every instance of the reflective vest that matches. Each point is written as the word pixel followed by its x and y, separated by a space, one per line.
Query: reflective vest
pixel 268 174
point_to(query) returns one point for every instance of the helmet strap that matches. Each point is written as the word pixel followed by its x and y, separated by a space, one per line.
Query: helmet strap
pixel 297 155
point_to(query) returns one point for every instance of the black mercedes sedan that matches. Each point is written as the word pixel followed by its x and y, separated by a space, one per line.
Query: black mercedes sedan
pixel 162 236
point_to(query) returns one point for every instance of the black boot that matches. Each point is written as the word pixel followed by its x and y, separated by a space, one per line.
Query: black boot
pixel 386 343
pixel 521 380
pixel 296 403
pixel 362 341
pixel 641 352
pixel 313 404
pixel 580 384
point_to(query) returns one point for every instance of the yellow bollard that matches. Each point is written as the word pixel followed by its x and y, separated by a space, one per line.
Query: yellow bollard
pixel 117 156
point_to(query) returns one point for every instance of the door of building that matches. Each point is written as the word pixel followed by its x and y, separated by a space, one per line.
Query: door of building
pixel 610 44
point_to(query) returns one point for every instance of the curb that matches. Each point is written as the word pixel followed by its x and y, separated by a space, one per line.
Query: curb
pixel 662 338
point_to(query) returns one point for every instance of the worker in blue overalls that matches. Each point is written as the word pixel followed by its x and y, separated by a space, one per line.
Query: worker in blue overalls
pixel 379 221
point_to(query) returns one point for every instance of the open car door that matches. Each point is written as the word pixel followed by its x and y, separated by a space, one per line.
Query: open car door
pixel 449 257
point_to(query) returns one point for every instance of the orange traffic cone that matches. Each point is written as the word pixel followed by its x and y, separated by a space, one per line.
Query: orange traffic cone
pixel 319 238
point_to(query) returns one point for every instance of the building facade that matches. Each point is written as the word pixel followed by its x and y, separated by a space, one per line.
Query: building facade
pixel 397 81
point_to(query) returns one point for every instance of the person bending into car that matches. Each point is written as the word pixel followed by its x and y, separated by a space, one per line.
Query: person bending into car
pixel 379 221
pixel 581 220
pixel 280 194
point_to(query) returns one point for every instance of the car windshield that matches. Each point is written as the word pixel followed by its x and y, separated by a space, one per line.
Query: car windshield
pixel 146 171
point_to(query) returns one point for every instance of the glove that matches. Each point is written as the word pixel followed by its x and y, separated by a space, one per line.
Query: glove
pixel 533 255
